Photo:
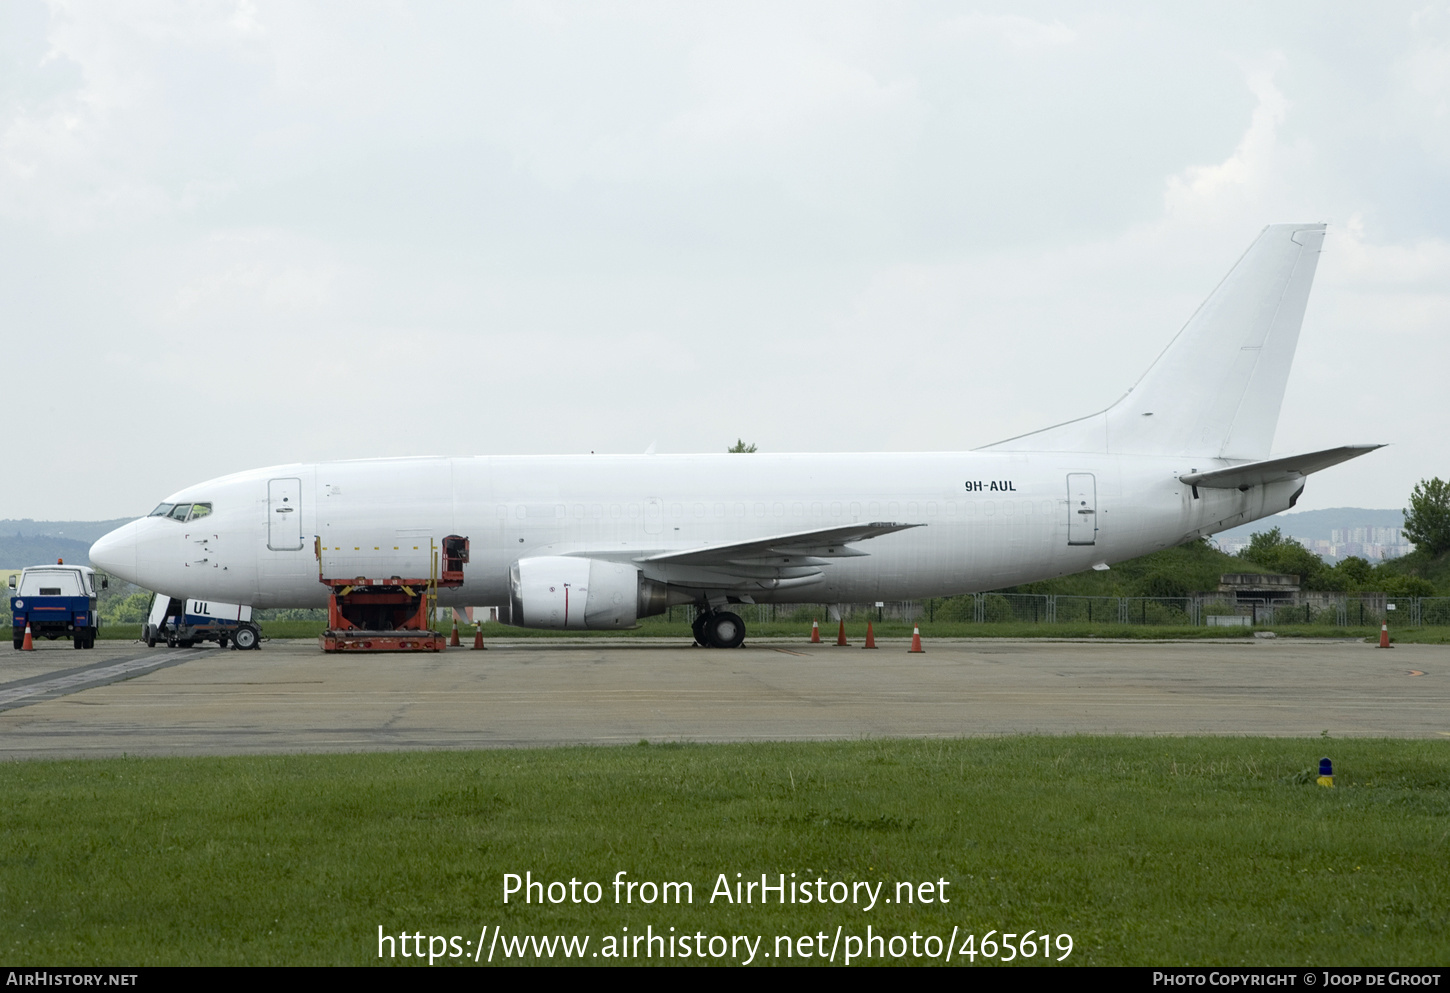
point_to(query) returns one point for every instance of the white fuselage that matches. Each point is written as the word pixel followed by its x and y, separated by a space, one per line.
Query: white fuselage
pixel 991 519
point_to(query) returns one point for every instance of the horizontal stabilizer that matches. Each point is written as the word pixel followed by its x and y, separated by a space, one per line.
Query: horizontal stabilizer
pixel 825 542
pixel 1241 477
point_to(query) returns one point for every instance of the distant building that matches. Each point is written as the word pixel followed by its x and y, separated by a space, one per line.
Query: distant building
pixel 1373 543
pixel 1368 536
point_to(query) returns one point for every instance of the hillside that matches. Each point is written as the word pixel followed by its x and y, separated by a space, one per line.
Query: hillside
pixel 86 531
pixel 1191 568
pixel 19 551
pixel 1421 565
pixel 26 542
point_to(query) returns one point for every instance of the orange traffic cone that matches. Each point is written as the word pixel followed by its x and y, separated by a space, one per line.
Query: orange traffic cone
pixel 916 640
pixel 841 635
pixel 1384 635
pixel 29 644
pixel 478 638
pixel 453 641
pixel 815 632
pixel 870 637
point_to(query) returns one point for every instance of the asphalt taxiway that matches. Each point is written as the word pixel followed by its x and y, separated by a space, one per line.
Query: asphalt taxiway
pixel 123 698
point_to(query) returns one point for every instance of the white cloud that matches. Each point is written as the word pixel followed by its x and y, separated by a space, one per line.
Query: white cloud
pixel 844 226
pixel 1424 86
pixel 253 278
pixel 1022 34
pixel 103 149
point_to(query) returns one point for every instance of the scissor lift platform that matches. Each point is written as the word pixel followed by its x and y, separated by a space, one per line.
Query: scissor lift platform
pixel 388 614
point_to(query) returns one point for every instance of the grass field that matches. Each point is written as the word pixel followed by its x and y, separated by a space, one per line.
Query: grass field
pixel 1145 851
pixel 856 630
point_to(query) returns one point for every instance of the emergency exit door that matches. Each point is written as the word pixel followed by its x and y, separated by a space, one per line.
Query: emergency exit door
pixel 284 514
pixel 1082 508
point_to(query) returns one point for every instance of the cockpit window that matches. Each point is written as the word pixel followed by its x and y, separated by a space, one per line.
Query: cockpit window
pixel 182 511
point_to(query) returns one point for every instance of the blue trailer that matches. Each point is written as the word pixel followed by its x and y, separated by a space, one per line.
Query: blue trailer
pixel 56 601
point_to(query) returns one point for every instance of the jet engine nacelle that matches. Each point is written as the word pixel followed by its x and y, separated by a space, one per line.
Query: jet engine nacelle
pixel 561 591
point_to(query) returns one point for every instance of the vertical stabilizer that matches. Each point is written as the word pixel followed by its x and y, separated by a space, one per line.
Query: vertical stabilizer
pixel 1217 388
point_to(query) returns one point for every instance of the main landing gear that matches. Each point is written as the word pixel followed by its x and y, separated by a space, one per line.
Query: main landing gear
pixel 719 629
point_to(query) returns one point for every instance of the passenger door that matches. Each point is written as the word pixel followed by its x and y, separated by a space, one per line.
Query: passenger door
pixel 284 514
pixel 1082 508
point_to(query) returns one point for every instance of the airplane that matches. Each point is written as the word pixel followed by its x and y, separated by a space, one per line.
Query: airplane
pixel 599 541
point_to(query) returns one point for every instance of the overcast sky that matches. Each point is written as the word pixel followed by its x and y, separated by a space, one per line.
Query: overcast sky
pixel 241 234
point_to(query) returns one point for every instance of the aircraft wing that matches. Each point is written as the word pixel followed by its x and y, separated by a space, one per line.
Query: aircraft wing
pixel 1241 477
pixel 822 543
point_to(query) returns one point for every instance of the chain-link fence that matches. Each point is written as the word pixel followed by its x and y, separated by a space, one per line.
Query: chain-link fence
pixel 1315 610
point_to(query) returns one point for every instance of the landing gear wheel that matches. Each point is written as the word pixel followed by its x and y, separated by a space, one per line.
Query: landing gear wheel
pixel 698 626
pixel 245 638
pixel 725 630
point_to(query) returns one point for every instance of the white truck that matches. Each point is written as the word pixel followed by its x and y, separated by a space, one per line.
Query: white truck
pixel 56 601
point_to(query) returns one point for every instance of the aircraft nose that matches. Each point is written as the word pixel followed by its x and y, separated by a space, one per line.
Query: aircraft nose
pixel 116 552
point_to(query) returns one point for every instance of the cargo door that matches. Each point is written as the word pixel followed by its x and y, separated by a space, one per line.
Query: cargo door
pixel 1082 508
pixel 284 514
pixel 405 555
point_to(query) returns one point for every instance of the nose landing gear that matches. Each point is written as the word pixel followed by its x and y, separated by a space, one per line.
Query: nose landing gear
pixel 719 629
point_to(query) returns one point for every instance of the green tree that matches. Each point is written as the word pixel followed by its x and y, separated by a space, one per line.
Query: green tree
pixel 1427 519
pixel 1279 553
pixel 1407 586
pixel 1354 572
pixel 130 609
pixel 741 446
